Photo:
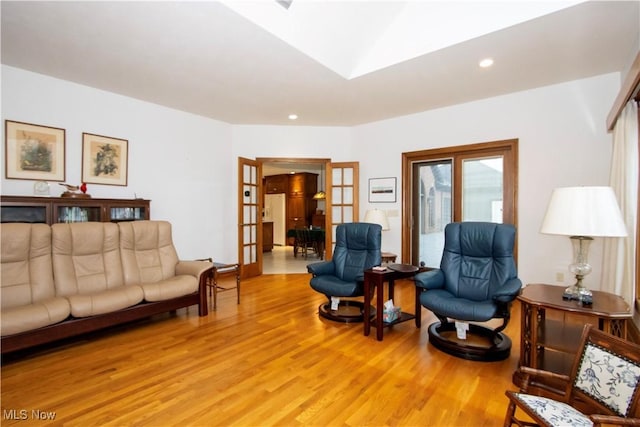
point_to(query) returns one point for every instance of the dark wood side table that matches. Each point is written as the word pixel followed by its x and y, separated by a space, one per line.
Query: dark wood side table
pixel 376 279
pixel 388 257
pixel 222 269
pixel 550 326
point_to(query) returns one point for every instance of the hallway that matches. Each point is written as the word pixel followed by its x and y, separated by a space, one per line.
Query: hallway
pixel 281 261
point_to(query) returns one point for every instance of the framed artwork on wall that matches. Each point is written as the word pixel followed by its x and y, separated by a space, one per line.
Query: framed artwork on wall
pixel 34 151
pixel 382 190
pixel 104 160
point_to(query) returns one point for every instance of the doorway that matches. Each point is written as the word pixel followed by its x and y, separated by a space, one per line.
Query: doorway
pixel 279 210
pixel 340 182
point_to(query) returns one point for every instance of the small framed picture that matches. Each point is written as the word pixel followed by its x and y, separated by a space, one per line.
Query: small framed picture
pixel 34 152
pixel 104 160
pixel 382 190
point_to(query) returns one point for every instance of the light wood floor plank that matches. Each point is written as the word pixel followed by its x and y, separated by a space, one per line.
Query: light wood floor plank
pixel 270 361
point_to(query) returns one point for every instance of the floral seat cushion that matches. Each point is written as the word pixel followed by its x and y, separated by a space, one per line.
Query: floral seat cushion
pixel 554 413
pixel 606 377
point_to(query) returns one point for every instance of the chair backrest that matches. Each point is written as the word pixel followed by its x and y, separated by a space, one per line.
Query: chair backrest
pixel 477 258
pixel 148 254
pixel 86 257
pixel 606 374
pixel 26 275
pixel 357 249
pixel 303 237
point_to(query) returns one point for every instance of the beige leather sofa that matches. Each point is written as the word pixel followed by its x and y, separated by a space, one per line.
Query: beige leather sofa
pixel 68 279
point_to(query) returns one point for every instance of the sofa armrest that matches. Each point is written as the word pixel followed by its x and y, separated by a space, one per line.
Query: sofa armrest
pixel 192 268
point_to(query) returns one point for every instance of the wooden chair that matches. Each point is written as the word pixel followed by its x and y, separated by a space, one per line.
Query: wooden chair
pixel 305 243
pixel 603 387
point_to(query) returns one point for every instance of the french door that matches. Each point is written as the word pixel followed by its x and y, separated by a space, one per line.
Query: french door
pixel 342 198
pixel 249 217
pixel 466 183
pixel 341 204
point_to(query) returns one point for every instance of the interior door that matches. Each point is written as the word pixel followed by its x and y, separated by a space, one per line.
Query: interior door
pixel 342 198
pixel 249 217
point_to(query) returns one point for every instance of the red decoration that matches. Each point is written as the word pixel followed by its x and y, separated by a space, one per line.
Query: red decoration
pixel 83 187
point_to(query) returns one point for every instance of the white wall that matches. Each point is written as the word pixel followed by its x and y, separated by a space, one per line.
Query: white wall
pixel 180 161
pixel 187 164
pixel 562 142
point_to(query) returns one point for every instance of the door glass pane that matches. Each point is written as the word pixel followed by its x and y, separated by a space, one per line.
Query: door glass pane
pixel 336 214
pixel 336 195
pixel 482 191
pixel 348 176
pixel 348 214
pixel 348 196
pixel 337 176
pixel 434 210
pixel 246 235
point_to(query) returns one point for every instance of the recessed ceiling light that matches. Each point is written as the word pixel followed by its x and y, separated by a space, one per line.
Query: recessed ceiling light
pixel 487 62
pixel 293 116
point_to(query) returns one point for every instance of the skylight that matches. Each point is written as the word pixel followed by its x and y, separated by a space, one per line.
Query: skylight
pixel 354 38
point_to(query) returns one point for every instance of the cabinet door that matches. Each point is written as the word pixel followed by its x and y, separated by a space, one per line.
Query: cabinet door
pixel 127 213
pixel 276 184
pixel 297 208
pixel 77 213
pixel 303 184
pixel 26 213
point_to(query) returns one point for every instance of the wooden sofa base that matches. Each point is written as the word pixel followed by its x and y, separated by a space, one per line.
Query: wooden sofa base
pixel 77 326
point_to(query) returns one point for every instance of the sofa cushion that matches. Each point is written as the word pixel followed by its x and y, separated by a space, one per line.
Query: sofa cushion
pixel 170 288
pixel 32 316
pixel 27 292
pixel 148 254
pixel 150 260
pixel 88 269
pixel 85 305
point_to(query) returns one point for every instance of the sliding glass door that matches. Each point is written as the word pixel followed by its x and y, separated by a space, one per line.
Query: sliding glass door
pixel 469 183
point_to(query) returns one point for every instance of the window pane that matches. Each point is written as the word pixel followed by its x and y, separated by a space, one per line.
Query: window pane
pixel 434 210
pixel 482 191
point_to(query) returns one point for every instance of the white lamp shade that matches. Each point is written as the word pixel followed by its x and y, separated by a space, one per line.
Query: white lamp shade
pixel 584 211
pixel 376 216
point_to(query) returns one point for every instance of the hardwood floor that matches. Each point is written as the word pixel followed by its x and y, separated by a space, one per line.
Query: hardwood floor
pixel 270 361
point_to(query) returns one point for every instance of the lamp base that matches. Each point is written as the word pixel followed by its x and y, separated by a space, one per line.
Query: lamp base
pixel 578 293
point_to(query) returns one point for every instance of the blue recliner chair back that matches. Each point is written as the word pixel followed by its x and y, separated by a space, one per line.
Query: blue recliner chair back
pixel 357 249
pixel 478 259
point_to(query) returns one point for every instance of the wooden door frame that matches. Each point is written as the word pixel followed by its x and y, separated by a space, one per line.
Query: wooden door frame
pixel 510 183
pixel 325 185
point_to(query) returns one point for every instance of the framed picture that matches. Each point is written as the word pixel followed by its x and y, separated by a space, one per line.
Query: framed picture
pixel 104 160
pixel 34 152
pixel 382 190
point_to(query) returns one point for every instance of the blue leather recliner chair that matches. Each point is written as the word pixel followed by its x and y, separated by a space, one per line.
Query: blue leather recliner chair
pixel 477 281
pixel 357 249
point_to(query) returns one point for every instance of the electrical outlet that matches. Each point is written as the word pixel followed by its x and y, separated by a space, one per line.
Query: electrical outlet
pixel 559 276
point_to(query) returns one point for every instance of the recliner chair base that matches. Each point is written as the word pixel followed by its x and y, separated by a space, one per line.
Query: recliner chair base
pixel 498 344
pixel 348 311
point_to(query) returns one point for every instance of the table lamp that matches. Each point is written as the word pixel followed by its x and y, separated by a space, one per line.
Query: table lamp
pixel 583 213
pixel 375 216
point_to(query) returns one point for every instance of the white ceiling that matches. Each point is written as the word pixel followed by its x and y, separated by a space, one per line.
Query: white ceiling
pixel 365 60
